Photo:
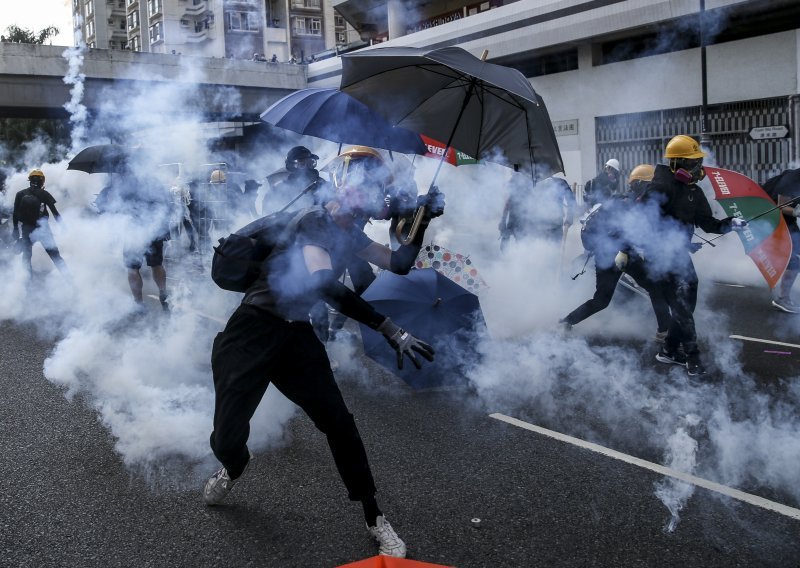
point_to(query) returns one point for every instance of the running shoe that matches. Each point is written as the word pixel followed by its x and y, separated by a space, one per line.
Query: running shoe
pixel 666 356
pixel 786 305
pixel 220 484
pixel 389 544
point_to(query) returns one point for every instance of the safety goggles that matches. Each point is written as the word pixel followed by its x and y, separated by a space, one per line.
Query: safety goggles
pixel 307 163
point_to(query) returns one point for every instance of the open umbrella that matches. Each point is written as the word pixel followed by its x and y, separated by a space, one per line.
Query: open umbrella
pixel 336 116
pixel 101 158
pixel 766 239
pixel 448 94
pixel 457 267
pixel 490 112
pixel 436 310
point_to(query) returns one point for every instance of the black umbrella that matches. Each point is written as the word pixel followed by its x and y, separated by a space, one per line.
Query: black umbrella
pixel 449 94
pixel 436 310
pixel 102 158
pixel 336 116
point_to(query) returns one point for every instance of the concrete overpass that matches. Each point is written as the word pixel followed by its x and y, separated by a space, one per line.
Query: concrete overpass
pixel 32 82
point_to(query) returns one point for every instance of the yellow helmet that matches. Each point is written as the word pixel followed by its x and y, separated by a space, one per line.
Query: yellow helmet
pixel 36 173
pixel 642 172
pixel 361 176
pixel 683 146
pixel 218 176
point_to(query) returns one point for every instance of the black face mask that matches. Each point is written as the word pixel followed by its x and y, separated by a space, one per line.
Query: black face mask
pixel 36 182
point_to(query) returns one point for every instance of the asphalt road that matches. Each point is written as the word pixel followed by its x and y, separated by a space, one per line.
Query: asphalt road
pixel 439 460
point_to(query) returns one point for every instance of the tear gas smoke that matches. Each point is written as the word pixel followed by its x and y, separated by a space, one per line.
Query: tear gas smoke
pixel 150 381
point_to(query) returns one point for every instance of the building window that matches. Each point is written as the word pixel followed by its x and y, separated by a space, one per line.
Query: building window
pixel 157 32
pixel 89 8
pixel 133 20
pixel 153 7
pixel 307 26
pixel 243 21
pixel 341 37
pixel 135 43
pixel 338 21
pixel 306 4
pixel 90 29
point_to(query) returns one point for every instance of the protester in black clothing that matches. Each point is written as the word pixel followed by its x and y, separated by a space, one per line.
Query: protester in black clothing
pixel 785 190
pixel 603 236
pixel 300 177
pixel 30 221
pixel 604 185
pixel 678 206
pixel 544 211
pixel 269 339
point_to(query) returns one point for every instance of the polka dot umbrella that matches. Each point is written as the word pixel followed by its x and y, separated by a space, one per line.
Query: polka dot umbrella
pixel 455 266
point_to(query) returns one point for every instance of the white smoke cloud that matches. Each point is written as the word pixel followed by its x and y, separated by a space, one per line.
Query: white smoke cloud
pixel 149 378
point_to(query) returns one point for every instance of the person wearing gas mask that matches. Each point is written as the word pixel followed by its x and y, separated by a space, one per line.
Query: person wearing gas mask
pixel 603 185
pixel 269 338
pixel 30 221
pixel 674 206
pixel 298 178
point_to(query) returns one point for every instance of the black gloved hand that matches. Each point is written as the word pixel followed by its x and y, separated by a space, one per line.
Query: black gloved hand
pixel 694 247
pixel 405 343
pixel 433 201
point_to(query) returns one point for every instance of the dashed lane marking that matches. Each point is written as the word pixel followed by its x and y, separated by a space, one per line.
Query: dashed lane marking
pixel 771 342
pixel 660 469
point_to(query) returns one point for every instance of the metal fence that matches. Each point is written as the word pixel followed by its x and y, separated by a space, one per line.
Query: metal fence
pixel 639 138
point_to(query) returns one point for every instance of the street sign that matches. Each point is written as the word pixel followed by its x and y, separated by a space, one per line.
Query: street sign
pixel 766 132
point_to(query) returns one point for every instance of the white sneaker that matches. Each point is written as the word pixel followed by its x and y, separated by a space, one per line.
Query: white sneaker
pixel 220 484
pixel 388 541
pixel 786 305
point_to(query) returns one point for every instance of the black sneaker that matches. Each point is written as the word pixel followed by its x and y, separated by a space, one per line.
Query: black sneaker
pixel 695 368
pixel 668 357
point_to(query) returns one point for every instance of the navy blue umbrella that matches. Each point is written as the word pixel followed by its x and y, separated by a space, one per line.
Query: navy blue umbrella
pixel 436 310
pixel 336 116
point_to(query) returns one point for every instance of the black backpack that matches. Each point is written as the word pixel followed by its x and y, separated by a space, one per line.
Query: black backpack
pixel 239 257
pixel 590 230
pixel 30 208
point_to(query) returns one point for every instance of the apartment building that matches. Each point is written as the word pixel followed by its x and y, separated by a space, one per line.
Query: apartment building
pixel 241 29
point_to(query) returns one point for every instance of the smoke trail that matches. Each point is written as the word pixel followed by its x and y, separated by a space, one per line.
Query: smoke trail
pixel 77 111
pixel 681 456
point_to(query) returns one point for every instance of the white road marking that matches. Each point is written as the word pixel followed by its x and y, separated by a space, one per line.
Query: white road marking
pixel 660 469
pixel 757 340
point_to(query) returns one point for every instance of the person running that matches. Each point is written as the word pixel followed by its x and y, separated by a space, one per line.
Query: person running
pixel 677 206
pixel 30 221
pixel 269 339
pixel 785 190
pixel 603 236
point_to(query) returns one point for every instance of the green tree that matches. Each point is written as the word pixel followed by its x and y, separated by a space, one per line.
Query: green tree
pixel 17 34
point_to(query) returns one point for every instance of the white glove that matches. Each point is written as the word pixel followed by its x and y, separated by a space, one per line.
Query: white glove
pixel 621 260
pixel 796 211
pixel 738 224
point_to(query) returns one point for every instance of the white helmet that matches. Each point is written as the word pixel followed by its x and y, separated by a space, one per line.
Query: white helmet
pixel 613 163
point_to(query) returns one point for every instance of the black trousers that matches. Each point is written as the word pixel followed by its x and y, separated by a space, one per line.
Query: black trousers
pixel 680 291
pixel 42 233
pixel 606 283
pixel 255 349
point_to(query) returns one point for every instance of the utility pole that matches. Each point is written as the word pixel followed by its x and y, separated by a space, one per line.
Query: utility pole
pixel 705 138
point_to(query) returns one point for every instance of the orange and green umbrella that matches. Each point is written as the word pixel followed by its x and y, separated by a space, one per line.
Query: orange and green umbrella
pixel 766 238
